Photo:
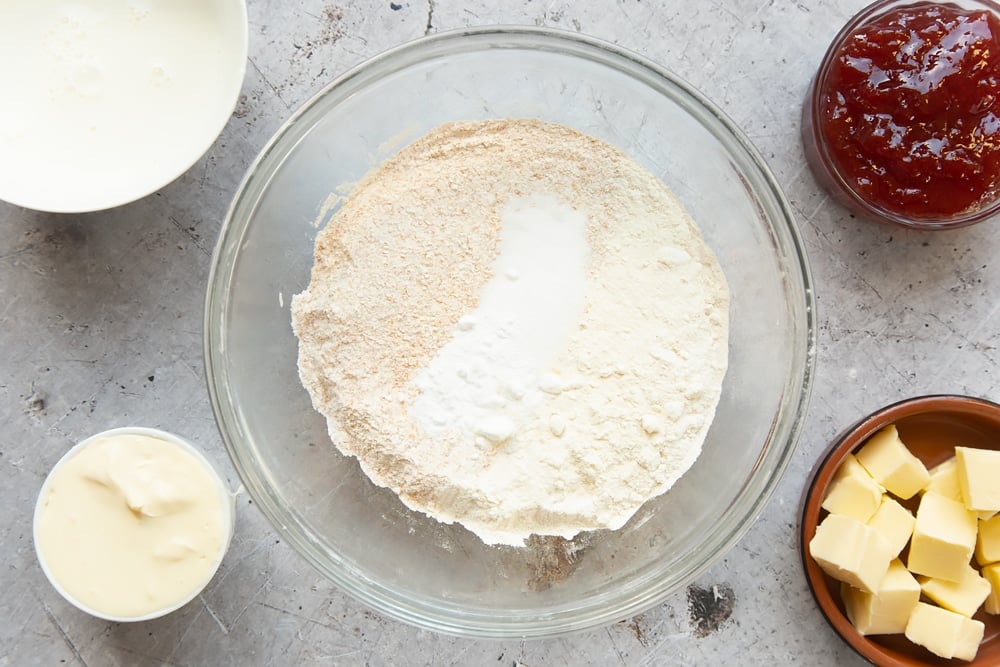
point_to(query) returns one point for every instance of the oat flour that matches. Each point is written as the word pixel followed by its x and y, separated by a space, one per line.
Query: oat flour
pixel 514 326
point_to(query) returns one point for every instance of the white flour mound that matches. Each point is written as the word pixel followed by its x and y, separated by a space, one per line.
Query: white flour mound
pixel 514 326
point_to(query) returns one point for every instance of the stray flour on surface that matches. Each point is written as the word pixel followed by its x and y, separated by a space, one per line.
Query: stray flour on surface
pixel 514 326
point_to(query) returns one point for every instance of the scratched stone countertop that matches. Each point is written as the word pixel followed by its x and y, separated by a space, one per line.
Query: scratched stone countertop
pixel 100 326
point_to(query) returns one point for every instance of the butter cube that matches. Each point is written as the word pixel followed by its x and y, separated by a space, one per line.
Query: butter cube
pixel 944 480
pixel 892 465
pixel 887 610
pixel 944 537
pixel 991 573
pixel 988 541
pixel 894 523
pixel 850 551
pixel 962 597
pixel 944 633
pixel 979 477
pixel 853 491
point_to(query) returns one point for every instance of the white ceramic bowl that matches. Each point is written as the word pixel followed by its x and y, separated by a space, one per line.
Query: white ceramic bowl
pixel 229 518
pixel 105 103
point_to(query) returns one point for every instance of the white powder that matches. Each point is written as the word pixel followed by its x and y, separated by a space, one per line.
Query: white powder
pixel 514 326
pixel 491 375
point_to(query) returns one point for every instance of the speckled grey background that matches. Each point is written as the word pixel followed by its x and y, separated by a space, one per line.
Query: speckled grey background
pixel 100 326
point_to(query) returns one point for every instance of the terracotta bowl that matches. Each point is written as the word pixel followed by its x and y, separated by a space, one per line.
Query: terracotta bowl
pixel 931 426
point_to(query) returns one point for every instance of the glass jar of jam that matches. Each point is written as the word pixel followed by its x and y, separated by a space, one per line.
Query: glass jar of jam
pixel 902 123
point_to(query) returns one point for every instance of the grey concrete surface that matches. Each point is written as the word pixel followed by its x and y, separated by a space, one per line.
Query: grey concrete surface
pixel 100 326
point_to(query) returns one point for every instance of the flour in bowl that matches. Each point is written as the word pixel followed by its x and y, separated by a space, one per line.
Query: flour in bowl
pixel 514 326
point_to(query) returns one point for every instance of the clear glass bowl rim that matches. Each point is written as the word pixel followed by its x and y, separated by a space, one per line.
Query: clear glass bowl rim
pixel 599 610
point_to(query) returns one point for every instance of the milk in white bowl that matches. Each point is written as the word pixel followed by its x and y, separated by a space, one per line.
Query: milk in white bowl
pixel 106 101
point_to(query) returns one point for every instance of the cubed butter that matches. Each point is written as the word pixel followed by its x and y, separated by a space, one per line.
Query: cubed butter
pixel 963 597
pixel 887 610
pixel 894 523
pixel 853 491
pixel 988 541
pixel 892 465
pixel 979 478
pixel 944 537
pixel 944 480
pixel 944 633
pixel 850 551
pixel 991 573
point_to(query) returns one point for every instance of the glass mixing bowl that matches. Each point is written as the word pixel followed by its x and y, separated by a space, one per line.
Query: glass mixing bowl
pixel 400 562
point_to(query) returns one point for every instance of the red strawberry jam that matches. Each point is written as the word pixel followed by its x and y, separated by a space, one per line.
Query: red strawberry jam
pixel 908 110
